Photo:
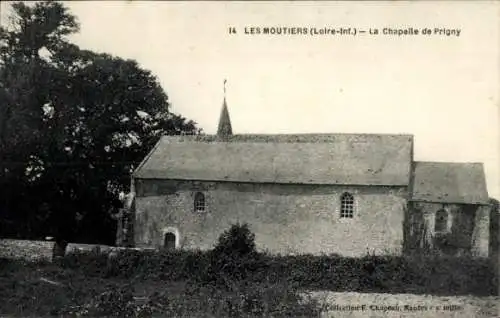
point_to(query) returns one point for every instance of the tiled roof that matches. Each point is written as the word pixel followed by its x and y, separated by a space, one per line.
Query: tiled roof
pixel 355 159
pixel 449 182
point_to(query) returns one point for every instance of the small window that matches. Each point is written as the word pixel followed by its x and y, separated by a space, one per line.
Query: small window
pixel 346 206
pixel 199 202
pixel 441 221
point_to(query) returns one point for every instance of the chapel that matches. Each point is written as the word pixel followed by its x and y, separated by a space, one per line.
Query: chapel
pixel 345 194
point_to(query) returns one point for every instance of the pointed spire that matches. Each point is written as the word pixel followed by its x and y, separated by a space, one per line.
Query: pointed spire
pixel 225 81
pixel 224 129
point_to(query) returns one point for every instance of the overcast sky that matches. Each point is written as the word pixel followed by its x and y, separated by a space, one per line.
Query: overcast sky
pixel 442 89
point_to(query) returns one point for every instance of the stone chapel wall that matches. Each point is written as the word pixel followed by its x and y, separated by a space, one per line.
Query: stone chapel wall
pixel 285 218
pixel 466 233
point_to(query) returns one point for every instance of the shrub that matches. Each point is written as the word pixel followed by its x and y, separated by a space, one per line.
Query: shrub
pixel 90 262
pixel 236 242
pixel 233 259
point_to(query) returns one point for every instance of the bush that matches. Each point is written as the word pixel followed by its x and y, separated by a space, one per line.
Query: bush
pixel 234 262
pixel 91 262
pixel 237 242
pixel 233 259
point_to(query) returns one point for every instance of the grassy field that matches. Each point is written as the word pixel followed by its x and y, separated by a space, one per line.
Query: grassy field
pixel 234 280
pixel 44 289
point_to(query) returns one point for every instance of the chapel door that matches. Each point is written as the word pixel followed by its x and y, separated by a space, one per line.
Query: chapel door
pixel 169 242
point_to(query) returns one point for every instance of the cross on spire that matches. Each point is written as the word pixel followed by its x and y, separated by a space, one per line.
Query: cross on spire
pixel 225 81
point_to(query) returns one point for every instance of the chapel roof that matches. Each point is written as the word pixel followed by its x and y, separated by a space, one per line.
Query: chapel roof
pixel 449 182
pixel 348 159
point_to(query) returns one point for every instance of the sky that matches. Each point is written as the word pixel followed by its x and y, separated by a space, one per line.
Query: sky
pixel 443 89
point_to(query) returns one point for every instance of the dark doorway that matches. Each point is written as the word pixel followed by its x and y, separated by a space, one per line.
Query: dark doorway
pixel 441 222
pixel 169 242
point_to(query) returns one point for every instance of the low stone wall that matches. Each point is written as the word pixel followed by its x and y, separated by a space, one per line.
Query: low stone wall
pixel 42 250
pixel 26 249
pixel 75 247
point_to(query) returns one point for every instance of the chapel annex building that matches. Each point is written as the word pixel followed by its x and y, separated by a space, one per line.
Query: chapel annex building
pixel 348 194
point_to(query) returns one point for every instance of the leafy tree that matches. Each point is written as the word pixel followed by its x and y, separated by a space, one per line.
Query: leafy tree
pixel 23 86
pixel 73 125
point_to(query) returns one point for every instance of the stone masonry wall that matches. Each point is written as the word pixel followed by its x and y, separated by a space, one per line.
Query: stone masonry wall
pixel 284 218
pixel 467 228
pixel 26 250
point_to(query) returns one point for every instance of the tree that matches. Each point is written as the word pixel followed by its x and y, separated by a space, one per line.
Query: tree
pixel 87 120
pixel 23 87
pixel 118 113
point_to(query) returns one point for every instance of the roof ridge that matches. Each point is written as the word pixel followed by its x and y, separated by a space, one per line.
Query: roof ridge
pixel 450 162
pixel 301 134
pixel 342 160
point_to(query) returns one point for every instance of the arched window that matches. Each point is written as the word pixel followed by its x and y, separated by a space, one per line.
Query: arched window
pixel 346 205
pixel 199 202
pixel 441 221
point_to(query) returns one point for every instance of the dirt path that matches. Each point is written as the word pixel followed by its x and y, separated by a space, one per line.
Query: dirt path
pixel 406 305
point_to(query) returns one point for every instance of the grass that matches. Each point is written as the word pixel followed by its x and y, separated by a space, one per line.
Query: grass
pixel 44 289
pixel 417 275
pixel 233 280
